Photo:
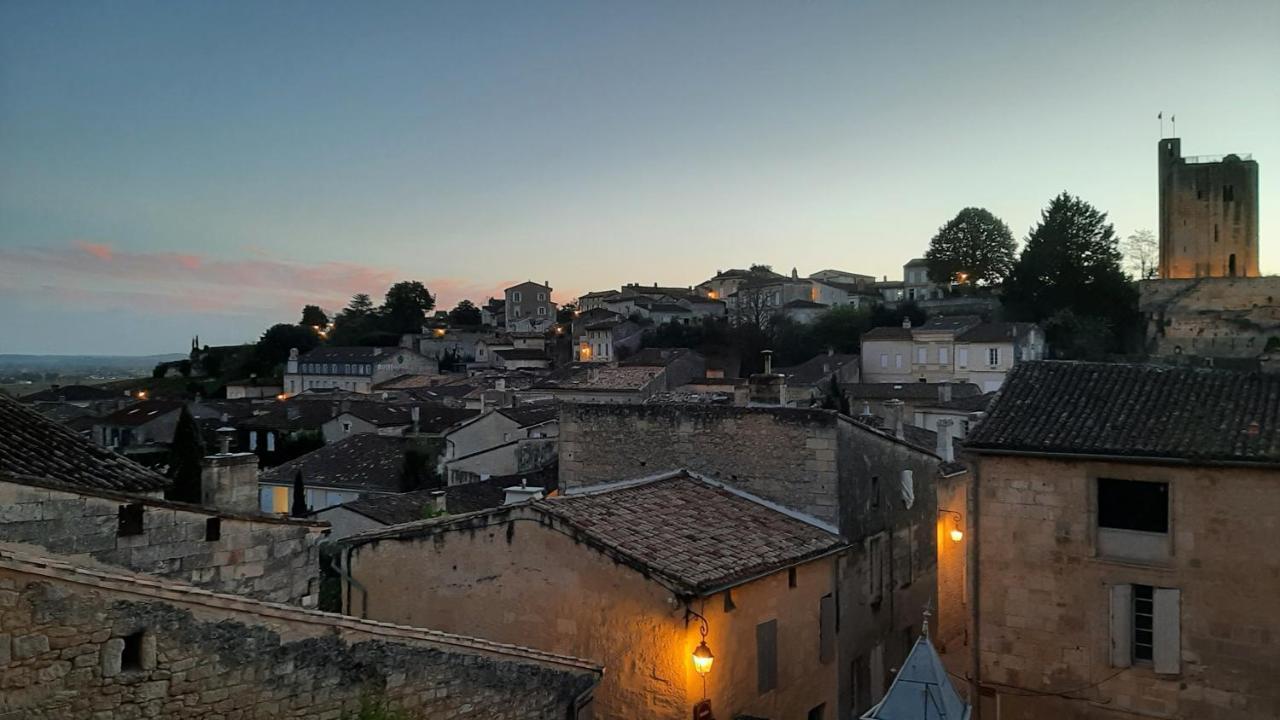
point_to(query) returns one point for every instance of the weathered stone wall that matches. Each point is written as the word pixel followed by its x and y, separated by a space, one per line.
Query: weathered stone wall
pixel 786 455
pixel 518 577
pixel 1045 604
pixel 256 556
pixel 62 657
pixel 1211 317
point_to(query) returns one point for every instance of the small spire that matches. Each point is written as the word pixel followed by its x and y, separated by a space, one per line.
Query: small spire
pixel 924 626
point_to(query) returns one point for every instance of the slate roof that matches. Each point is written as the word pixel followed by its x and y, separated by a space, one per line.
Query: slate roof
pixel 693 533
pixel 921 691
pixel 521 354
pixel 531 413
pixel 141 413
pixel 294 414
pixel 36 446
pixel 432 418
pixel 810 371
pixel 1134 410
pixel 953 323
pixel 656 357
pixel 71 393
pixel 908 391
pixel 996 332
pixel 971 404
pixel 330 354
pixel 887 333
pixel 469 497
pixel 365 462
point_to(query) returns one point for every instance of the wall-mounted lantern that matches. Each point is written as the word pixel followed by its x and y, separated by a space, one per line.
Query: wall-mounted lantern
pixel 957 532
pixel 702 656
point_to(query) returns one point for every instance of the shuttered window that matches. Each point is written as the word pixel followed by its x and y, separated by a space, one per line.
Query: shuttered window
pixel 1146 627
pixel 827 628
pixel 766 656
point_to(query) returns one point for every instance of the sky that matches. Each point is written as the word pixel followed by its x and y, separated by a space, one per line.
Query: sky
pixel 173 169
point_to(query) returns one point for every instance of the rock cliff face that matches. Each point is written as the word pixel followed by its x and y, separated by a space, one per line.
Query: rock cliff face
pixel 1211 317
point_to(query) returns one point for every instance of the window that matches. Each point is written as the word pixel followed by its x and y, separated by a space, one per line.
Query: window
pixel 875 567
pixel 922 355
pixel 1215 233
pixel 993 356
pixel 897 360
pixel 1146 627
pixel 346 427
pixel 791 577
pixel 542 297
pixel 271 441
pixel 213 529
pixel 542 310
pixel 875 491
pixel 515 297
pixel 962 357
pixel 884 360
pixel 827 628
pixel 131 656
pixel 860 684
pixel 1133 505
pixel 818 713
pixel 1228 193
pixel 130 520
pixel 766 656
pixel 943 358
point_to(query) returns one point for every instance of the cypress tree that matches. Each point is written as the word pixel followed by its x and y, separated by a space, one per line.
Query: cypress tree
pixel 185 453
pixel 299 508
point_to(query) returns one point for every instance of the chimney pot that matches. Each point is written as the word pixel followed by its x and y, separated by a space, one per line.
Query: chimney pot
pixel 944 392
pixel 906 322
pixel 893 408
pixel 945 450
pixel 768 361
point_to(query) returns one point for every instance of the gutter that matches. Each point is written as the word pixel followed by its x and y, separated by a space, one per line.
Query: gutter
pixel 1148 459
pixel 843 546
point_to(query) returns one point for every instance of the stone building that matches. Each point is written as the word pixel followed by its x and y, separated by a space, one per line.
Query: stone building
pixel 1123 531
pixel 959 348
pixel 872 484
pixel 1208 214
pixel 634 576
pixel 528 307
pixel 83 643
pixel 355 369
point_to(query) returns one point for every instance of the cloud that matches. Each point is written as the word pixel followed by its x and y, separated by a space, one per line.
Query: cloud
pixel 98 276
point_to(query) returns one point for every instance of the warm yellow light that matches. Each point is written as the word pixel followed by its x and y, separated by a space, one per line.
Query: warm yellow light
pixel 957 534
pixel 702 658
pixel 142 394
pixel 282 396
pixel 585 352
pixel 712 294
pixel 439 332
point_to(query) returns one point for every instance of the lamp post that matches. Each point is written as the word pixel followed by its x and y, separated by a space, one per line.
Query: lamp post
pixel 702 655
pixel 956 533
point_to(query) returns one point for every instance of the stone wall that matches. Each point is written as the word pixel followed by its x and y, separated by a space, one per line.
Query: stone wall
pixel 785 455
pixel 1211 317
pixel 77 644
pixel 254 555
pixel 1045 592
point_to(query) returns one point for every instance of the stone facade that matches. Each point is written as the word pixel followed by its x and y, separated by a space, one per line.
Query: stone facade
pixel 1211 317
pixel 1208 214
pixel 521 578
pixel 1047 592
pixel 257 556
pixel 77 644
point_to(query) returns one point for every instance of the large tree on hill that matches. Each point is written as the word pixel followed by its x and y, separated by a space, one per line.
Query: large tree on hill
pixel 185 454
pixel 274 346
pixel 356 321
pixel 406 306
pixel 1142 254
pixel 313 316
pixel 1071 261
pixel 464 313
pixel 973 248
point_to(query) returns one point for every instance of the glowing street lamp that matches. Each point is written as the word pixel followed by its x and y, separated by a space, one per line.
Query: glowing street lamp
pixel 702 656
pixel 956 533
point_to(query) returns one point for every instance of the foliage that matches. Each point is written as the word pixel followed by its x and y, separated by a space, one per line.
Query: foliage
pixel 835 399
pixel 1142 254
pixel 566 312
pixel 885 316
pixel 406 306
pixel 1273 344
pixel 975 243
pixel 185 454
pixel 841 328
pixel 294 445
pixel 1071 261
pixel 354 322
pixel 429 512
pixel 298 508
pixel 313 316
pixel 1075 337
pixel 464 313
pixel 273 347
pixel 330 593
pixel 419 470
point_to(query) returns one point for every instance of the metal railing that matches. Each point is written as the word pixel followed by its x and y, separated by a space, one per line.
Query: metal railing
pixel 1202 159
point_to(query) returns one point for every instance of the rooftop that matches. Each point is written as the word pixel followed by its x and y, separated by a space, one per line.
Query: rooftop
pixel 71 393
pixel 596 377
pixel 996 332
pixel 1131 410
pixel 521 354
pixel 465 498
pixel 349 354
pixel 531 413
pixel 896 332
pixel 815 369
pixel 35 446
pixel 907 391
pixel 142 412
pixel 365 461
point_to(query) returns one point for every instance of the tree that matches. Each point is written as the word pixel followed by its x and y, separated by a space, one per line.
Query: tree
pixel 357 320
pixel 885 316
pixel 565 313
pixel 406 306
pixel 1071 261
pixel 185 454
pixel 465 313
pixel 273 347
pixel 299 506
pixel 313 316
pixel 1142 253
pixel 841 328
pixel 973 248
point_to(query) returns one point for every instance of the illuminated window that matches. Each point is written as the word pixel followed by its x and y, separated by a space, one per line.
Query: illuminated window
pixel 280 500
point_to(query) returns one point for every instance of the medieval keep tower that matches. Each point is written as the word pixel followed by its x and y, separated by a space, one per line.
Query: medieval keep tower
pixel 1208 214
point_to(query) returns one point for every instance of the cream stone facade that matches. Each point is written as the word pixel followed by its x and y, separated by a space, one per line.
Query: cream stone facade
pixel 515 577
pixel 1208 214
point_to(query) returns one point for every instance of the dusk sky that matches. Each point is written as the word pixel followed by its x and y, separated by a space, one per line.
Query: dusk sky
pixel 178 168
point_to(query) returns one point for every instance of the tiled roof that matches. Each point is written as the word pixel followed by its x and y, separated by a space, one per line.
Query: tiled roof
pixel 35 446
pixel 953 323
pixel 1134 410
pixel 365 461
pixel 804 305
pixel 294 414
pixel 349 354
pixel 521 354
pixel 696 534
pixel 656 357
pixel 598 377
pixel 811 371
pixel 531 413
pixel 432 418
pixel 996 332
pixel 141 413
pixel 469 497
pixel 665 308
pixel 71 393
pixel 972 403
pixel 887 333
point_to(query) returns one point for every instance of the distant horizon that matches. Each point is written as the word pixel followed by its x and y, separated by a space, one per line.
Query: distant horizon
pixel 208 168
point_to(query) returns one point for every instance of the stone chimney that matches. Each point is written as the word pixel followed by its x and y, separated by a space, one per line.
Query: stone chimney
pixel 893 411
pixel 229 481
pixel 944 440
pixel 522 493
pixel 500 384
pixel 767 388
pixel 437 502
pixel 415 415
pixel 944 393
pixel 906 322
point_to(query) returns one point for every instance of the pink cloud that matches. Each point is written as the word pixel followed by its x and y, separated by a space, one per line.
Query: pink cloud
pixel 93 274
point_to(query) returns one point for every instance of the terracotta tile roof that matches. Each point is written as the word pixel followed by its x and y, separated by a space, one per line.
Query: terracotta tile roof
pixel 365 462
pixel 811 371
pixel 1134 410
pixel 531 413
pixel 469 497
pixel 692 532
pixel 71 393
pixel 141 413
pixel 35 446
pixel 887 333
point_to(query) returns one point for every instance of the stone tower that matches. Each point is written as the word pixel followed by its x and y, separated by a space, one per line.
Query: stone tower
pixel 1208 214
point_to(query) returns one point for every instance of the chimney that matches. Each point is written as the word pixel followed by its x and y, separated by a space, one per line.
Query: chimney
pixel 830 351
pixel 229 481
pixel 414 413
pixel 500 384
pixel 906 322
pixel 437 502
pixel 345 405
pixel 893 409
pixel 768 361
pixel 522 493
pixel 944 440
pixel 944 393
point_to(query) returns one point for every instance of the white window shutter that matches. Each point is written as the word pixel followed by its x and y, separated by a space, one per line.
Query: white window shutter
pixel 1166 656
pixel 1121 625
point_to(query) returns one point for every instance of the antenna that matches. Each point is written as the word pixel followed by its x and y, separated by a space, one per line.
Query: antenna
pixel 1174 120
pixel 1160 117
